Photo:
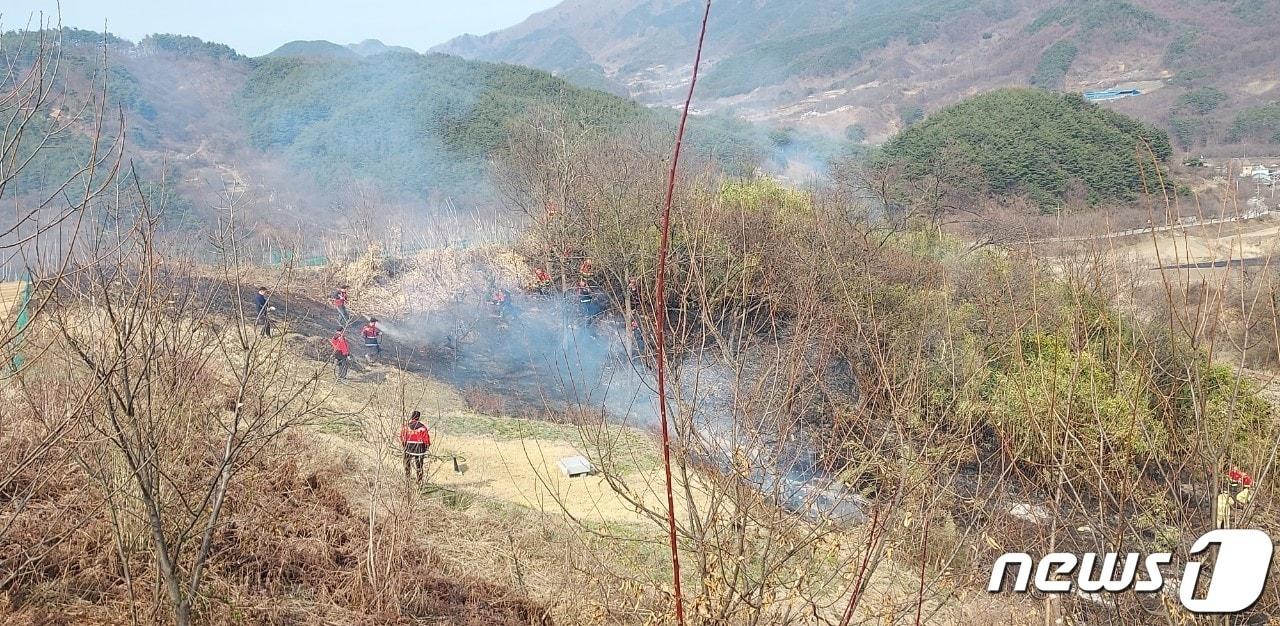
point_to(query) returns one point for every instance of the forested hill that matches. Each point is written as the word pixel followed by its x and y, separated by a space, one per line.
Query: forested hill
pixel 293 132
pixel 867 68
pixel 1046 146
pixel 416 124
pixel 425 125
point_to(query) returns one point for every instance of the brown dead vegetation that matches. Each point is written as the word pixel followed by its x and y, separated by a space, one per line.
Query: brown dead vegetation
pixel 289 526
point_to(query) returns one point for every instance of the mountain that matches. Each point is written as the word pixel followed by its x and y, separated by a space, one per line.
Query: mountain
pixel 318 49
pixel 328 49
pixel 867 68
pixel 414 124
pixel 291 136
pixel 370 47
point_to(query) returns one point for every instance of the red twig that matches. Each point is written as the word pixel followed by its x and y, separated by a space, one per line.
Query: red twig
pixel 924 560
pixel 660 322
pixel 862 571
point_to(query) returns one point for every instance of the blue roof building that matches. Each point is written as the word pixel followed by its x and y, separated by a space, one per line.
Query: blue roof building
pixel 1110 94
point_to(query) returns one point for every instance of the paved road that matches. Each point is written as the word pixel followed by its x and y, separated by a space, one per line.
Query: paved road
pixel 1248 215
pixel 1204 265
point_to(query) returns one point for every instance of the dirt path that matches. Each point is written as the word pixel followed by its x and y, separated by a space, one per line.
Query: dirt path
pixel 1203 249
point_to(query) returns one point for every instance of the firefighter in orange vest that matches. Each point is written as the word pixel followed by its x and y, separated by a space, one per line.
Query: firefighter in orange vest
pixel 416 440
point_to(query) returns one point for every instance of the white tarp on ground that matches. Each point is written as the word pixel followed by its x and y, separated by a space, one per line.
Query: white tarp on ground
pixel 573 466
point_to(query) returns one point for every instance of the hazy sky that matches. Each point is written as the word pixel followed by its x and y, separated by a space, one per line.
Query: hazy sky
pixel 256 27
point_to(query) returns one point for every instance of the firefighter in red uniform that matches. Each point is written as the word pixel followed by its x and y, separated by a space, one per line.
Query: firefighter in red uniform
pixel 341 352
pixel 586 270
pixel 637 338
pixel 372 338
pixel 416 440
pixel 541 279
pixel 501 302
pixel 339 302
pixel 586 301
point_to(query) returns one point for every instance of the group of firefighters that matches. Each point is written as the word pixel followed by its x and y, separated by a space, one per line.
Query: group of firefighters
pixel 415 437
pixel 504 308
pixel 370 332
pixel 501 301
pixel 584 295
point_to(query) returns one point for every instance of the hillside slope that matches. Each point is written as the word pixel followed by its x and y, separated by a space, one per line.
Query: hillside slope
pixel 868 68
pixel 414 124
pixel 288 137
